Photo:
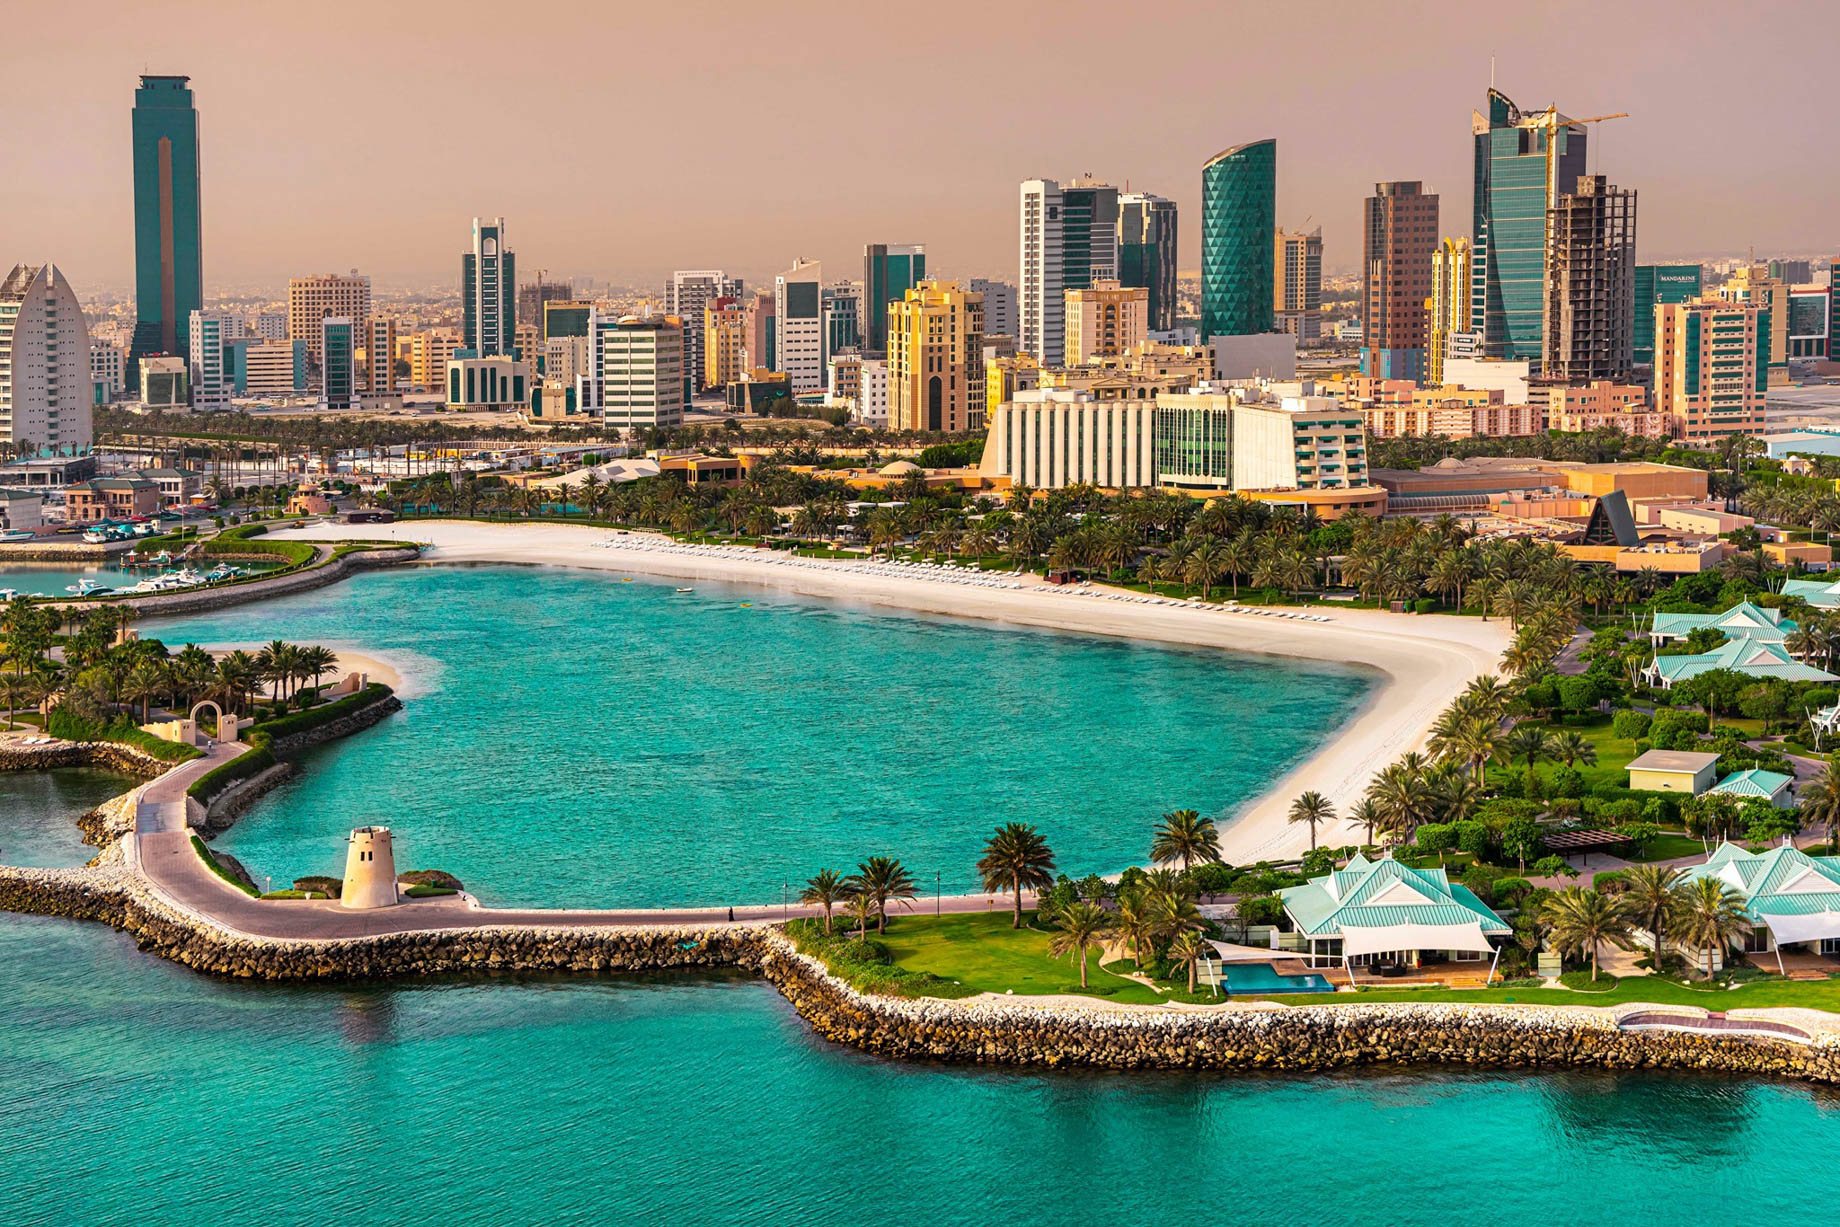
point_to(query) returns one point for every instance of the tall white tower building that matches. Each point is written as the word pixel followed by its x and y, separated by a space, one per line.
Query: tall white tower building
pixel 686 296
pixel 798 319
pixel 488 292
pixel 1069 238
pixel 45 386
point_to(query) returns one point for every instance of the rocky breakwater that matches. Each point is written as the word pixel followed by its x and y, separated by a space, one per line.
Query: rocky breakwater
pixel 15 756
pixel 327 570
pixel 1260 1036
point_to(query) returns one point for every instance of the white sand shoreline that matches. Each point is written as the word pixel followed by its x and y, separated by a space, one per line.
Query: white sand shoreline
pixel 1424 660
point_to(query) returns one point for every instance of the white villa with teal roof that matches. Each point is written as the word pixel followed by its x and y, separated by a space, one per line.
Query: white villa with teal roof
pixel 1381 911
pixel 1743 619
pixel 1755 645
pixel 1820 593
pixel 1791 899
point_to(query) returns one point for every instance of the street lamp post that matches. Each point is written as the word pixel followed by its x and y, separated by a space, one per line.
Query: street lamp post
pixel 936 892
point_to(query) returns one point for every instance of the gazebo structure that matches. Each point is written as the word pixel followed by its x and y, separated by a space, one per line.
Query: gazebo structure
pixel 1790 898
pixel 1384 912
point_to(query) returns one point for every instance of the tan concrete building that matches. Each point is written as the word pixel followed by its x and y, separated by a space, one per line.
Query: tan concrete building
pixel 370 870
pixel 1448 308
pixel 429 353
pixel 1605 405
pixel 936 359
pixel 1712 367
pixel 1105 320
pixel 380 354
pixel 1755 286
pixel 725 326
pixel 322 297
pixel 1296 290
pixel 1006 376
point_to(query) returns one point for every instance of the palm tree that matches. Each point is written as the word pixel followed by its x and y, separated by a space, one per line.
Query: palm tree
pixel 1204 567
pixel 1173 913
pixel 1821 800
pixel 1312 807
pixel 1079 926
pixel 1189 949
pixel 1653 896
pixel 882 879
pixel 861 908
pixel 1016 858
pixel 1187 837
pixel 1366 814
pixel 825 890
pixel 1528 742
pixel 1582 920
pixel 1137 922
pixel 1712 916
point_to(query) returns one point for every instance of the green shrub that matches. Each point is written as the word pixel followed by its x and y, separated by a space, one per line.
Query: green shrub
pixel 218 868
pixel 431 877
pixel 428 892
pixel 296 723
pixel 122 731
pixel 320 885
pixel 1582 982
pixel 865 964
pixel 1424 605
pixel 208 786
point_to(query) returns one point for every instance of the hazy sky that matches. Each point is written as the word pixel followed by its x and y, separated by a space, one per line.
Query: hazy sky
pixel 620 140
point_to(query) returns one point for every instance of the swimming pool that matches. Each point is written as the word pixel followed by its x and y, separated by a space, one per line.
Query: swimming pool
pixel 1263 978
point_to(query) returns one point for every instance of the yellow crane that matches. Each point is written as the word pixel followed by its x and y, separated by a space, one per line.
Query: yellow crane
pixel 1548 121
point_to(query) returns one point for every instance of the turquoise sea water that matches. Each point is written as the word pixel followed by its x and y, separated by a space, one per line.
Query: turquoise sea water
pixel 586 741
pixel 37 809
pixel 138 1092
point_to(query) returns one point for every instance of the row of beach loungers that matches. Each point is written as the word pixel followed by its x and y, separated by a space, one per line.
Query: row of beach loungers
pixel 944 572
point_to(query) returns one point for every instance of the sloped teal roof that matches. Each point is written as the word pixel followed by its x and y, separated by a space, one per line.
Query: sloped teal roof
pixel 1821 593
pixel 1351 898
pixel 1782 881
pixel 1744 655
pixel 1744 618
pixel 1752 782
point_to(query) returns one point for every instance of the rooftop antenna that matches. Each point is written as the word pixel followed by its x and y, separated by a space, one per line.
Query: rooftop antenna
pixel 1491 72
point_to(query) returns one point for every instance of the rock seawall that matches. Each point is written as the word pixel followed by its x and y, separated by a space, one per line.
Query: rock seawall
pixel 262 589
pixel 1300 1038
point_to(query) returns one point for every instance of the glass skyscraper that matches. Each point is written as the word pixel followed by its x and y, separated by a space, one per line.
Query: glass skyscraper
pixel 1239 224
pixel 1522 164
pixel 889 271
pixel 1657 284
pixel 1147 252
pixel 168 253
pixel 488 291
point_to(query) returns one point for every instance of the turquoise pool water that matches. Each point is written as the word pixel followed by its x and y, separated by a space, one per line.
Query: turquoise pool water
pixel 1262 978
pixel 37 809
pixel 138 1092
pixel 580 740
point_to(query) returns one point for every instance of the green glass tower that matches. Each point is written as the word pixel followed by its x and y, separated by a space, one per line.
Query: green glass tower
pixel 168 253
pixel 1147 252
pixel 1239 219
pixel 1523 162
pixel 1657 284
pixel 889 271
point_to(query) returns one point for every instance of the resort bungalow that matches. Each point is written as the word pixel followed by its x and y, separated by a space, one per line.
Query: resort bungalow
pixel 1383 914
pixel 1741 655
pixel 1688 771
pixel 1791 899
pixel 1743 619
pixel 1820 593
pixel 1773 786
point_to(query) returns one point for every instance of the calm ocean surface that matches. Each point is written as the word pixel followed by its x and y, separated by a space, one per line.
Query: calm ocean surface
pixel 586 741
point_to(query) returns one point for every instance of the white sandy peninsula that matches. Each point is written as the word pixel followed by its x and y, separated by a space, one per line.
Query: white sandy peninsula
pixel 1424 661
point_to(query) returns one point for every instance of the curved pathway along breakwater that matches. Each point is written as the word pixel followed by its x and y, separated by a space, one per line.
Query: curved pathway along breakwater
pixel 323 570
pixel 1259 1036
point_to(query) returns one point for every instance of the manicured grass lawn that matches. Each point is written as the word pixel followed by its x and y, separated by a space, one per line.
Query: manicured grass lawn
pixel 982 952
pixel 1810 994
pixel 1669 846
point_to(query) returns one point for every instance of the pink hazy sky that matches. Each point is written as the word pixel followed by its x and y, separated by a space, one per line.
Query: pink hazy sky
pixel 621 140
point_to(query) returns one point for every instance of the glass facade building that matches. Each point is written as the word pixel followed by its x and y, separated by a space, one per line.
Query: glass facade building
pixel 339 364
pixel 1147 253
pixel 1656 284
pixel 1521 164
pixel 1239 222
pixel 488 292
pixel 889 271
pixel 168 252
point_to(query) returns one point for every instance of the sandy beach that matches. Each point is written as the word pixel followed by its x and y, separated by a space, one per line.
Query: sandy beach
pixel 350 661
pixel 1422 661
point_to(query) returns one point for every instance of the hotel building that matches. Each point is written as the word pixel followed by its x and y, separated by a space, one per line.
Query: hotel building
pixel 1146 256
pixel 1069 239
pixel 687 296
pixel 313 299
pixel 635 377
pixel 168 253
pixel 798 324
pixel 724 342
pixel 1105 320
pixel 1447 310
pixel 488 292
pixel 380 355
pixel 1656 284
pixel 274 368
pixel 1054 437
pixel 889 271
pixel 338 347
pixel 429 353
pixel 1400 235
pixel 213 375
pixel 1239 211
pixel 108 370
pixel 1712 360
pixel 936 359
pixel 1297 283
pixel 45 386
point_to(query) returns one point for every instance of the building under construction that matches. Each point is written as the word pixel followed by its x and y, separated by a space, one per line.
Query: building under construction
pixel 1590 284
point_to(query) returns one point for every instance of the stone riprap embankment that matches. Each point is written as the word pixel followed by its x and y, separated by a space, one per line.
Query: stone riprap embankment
pixel 199 600
pixel 994 1032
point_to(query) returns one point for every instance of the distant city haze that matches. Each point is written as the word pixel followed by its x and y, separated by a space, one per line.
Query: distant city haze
pixel 620 141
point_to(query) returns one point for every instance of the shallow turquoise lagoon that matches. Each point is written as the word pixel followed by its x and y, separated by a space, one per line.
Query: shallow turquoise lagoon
pixel 38 811
pixel 139 1092
pixel 582 740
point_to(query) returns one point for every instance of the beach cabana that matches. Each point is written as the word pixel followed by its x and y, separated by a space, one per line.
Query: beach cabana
pixel 1772 786
pixel 1383 912
pixel 1790 898
pixel 1743 619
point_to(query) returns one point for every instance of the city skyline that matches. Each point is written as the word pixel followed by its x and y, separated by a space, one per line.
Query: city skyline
pixel 297 180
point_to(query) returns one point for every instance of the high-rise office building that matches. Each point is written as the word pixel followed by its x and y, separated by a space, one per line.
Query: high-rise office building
pixel 108 369
pixel 210 335
pixel 1590 284
pixel 380 355
pixel 635 377
pixel 999 307
pixel 1753 284
pixel 1522 164
pixel 686 295
pixel 429 353
pixel 1104 320
pixel 1239 216
pixel 1656 284
pixel 1399 235
pixel 268 325
pixel 843 317
pixel 274 368
pixel 565 319
pixel 1810 321
pixel 1447 310
pixel 1069 238
pixel 1712 366
pixel 488 292
pixel 724 342
pixel 889 271
pixel 1146 255
pixel 168 248
pixel 338 348
pixel 760 333
pixel 936 359
pixel 45 385
pixel 798 321
pixel 1792 272
pixel 327 296
pixel 1297 283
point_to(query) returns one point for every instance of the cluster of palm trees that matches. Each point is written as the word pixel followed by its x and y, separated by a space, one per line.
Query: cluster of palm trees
pixel 865 894
pixel 1704 913
pixel 98 670
pixel 1818 509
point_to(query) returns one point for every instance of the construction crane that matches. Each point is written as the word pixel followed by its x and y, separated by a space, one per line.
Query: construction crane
pixel 1548 121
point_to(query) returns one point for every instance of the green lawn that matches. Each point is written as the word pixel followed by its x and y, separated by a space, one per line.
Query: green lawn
pixel 982 952
pixel 1669 846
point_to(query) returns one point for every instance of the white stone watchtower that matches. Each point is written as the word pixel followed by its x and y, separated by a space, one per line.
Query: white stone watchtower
pixel 370 869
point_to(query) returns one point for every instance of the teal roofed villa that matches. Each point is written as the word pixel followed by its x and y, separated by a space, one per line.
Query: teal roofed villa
pixel 1743 619
pixel 1820 593
pixel 1773 786
pixel 1791 899
pixel 1384 912
pixel 1741 655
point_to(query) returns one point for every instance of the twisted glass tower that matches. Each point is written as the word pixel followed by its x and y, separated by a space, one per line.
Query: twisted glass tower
pixel 168 254
pixel 1239 217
